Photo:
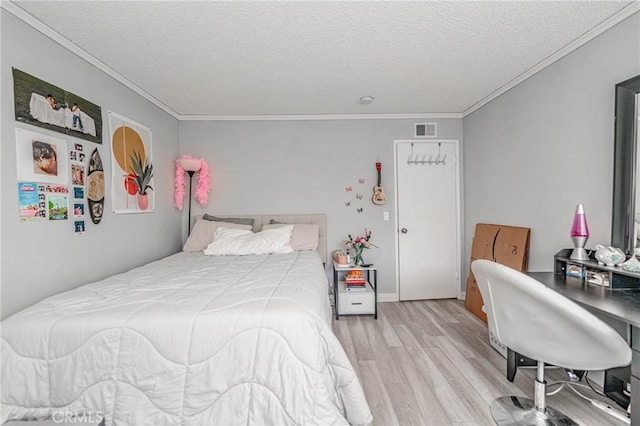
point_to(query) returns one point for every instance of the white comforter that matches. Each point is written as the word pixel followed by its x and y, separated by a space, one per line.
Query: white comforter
pixel 189 339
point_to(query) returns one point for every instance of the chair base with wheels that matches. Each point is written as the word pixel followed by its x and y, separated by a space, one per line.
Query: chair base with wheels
pixel 535 322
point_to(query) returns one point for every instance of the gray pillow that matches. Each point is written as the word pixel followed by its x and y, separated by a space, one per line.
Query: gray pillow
pixel 238 220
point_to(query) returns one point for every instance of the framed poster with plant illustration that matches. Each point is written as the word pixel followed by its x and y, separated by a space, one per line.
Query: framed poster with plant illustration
pixel 132 185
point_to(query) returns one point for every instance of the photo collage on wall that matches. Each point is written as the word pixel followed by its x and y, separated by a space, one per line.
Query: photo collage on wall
pixel 52 172
pixel 77 156
pixel 44 168
pixel 39 200
pixel 47 163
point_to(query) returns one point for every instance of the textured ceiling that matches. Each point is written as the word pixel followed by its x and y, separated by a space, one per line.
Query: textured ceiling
pixel 269 58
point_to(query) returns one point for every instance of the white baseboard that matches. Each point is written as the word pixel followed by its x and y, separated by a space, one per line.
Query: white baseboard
pixel 393 297
pixel 387 297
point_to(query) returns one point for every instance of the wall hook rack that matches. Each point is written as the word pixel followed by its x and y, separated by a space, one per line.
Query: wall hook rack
pixel 415 159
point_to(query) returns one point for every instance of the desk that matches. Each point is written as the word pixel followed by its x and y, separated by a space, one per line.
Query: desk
pixel 621 305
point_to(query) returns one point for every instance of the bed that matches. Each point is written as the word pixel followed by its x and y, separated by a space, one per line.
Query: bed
pixel 189 339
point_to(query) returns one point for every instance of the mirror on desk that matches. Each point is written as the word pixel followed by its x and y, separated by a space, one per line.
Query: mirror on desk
pixel 625 222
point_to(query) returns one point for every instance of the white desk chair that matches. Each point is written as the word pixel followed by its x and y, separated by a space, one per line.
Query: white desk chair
pixel 541 324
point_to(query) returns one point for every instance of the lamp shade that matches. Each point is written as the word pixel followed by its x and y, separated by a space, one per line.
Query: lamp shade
pixel 190 164
pixel 579 227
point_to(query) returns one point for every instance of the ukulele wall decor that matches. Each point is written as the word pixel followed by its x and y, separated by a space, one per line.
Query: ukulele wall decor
pixel 379 198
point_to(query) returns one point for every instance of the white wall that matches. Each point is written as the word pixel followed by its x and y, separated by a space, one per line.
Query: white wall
pixel 271 167
pixel 41 259
pixel 541 148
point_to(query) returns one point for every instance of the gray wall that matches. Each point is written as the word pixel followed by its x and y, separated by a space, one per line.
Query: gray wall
pixel 529 157
pixel 41 259
pixel 272 167
pixel 541 148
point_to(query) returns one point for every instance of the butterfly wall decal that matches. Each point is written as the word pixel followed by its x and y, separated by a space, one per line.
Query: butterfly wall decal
pixel 348 188
pixel 360 209
pixel 348 203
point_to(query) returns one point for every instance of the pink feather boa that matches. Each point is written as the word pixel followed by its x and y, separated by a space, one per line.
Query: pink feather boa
pixel 203 187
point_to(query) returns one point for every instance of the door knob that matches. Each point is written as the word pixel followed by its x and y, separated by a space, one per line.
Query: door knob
pixel 403 230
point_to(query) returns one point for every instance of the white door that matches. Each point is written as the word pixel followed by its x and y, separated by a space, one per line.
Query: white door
pixel 428 219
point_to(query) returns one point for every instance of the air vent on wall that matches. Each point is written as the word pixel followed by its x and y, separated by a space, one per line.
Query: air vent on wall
pixel 426 130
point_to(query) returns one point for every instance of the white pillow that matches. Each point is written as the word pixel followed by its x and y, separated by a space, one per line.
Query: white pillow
pixel 304 236
pixel 240 242
pixel 280 237
pixel 203 232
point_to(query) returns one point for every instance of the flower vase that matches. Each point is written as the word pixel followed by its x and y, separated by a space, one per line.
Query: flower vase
pixel 358 259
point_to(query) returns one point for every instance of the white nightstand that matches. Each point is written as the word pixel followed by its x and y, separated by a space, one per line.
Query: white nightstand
pixel 355 302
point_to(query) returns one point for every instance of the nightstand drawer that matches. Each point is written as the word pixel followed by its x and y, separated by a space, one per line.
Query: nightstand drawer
pixel 356 303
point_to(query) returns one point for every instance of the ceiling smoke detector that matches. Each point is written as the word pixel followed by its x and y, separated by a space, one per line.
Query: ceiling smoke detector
pixel 366 100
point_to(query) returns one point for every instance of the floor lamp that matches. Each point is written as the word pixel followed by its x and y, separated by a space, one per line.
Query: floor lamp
pixel 190 165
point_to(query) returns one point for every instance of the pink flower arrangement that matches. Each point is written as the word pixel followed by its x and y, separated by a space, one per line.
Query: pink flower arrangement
pixel 203 187
pixel 359 244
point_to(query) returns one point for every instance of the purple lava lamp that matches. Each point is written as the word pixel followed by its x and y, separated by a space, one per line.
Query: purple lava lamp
pixel 579 234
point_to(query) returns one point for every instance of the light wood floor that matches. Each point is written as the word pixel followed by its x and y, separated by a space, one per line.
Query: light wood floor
pixel 430 363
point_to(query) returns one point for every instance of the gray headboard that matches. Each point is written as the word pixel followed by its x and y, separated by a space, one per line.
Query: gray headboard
pixel 259 220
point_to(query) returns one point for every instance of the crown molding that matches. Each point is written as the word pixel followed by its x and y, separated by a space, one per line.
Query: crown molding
pixel 316 117
pixel 38 25
pixel 615 19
